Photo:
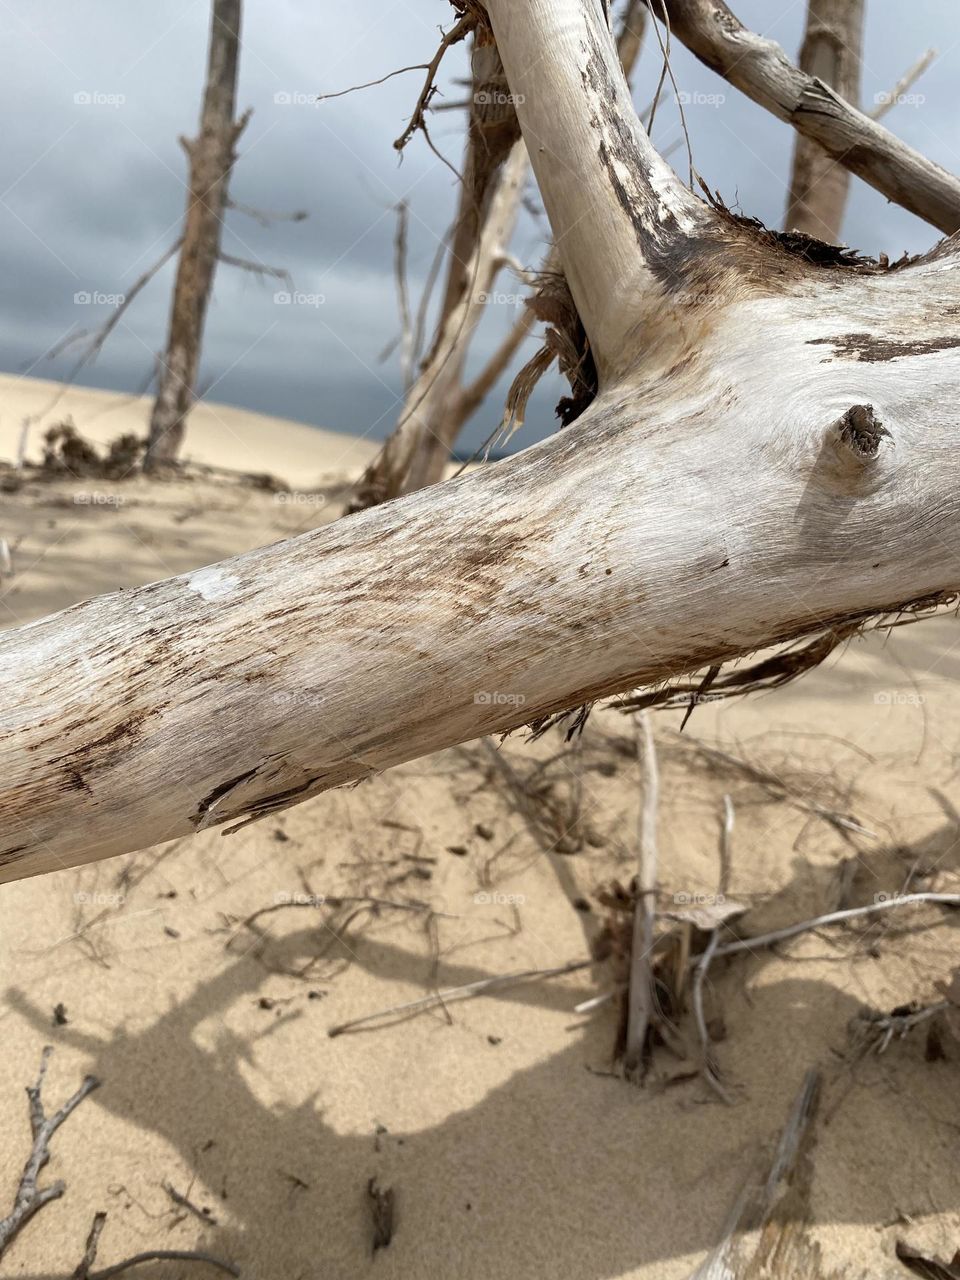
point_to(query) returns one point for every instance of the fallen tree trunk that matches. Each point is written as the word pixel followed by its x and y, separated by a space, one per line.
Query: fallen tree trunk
pixel 772 451
pixel 760 69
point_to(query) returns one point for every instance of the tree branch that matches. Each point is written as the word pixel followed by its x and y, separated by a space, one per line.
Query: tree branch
pixel 257 268
pixel 265 216
pixel 641 996
pixel 620 221
pixel 760 69
pixel 906 82
pixel 777 460
pixel 30 1198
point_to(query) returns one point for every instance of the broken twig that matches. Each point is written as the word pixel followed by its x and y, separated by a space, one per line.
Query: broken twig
pixel 30 1198
pixel 83 1271
pixel 466 992
pixel 835 917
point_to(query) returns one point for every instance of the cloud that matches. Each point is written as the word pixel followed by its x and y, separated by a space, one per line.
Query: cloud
pixel 94 182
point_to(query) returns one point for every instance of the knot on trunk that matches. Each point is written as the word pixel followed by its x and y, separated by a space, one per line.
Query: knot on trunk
pixel 859 432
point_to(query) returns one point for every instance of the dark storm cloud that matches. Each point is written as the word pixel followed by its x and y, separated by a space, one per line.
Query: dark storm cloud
pixel 95 95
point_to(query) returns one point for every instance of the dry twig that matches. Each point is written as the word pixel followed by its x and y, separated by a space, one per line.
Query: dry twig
pixel 761 1206
pixel 460 29
pixel 83 1271
pixel 835 917
pixel 30 1198
pixel 466 992
pixel 641 995
pixel 903 85
pixel 707 1068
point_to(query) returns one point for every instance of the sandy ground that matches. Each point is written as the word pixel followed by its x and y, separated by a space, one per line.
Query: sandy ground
pixel 510 1148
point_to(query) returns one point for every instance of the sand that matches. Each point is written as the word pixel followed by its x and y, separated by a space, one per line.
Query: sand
pixel 511 1150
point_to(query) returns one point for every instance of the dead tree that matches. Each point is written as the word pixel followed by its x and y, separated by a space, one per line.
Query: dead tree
pixel 771 454
pixel 831 51
pixel 439 404
pixel 210 158
pixel 495 169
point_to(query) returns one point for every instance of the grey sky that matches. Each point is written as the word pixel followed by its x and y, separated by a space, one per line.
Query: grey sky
pixel 92 192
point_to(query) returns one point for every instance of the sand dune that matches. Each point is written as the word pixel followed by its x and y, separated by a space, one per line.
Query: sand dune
pixel 219 435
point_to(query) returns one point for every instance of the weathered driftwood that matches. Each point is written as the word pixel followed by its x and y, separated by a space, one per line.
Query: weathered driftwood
pixel 773 449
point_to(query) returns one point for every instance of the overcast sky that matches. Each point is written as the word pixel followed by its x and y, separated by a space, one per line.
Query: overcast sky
pixel 94 94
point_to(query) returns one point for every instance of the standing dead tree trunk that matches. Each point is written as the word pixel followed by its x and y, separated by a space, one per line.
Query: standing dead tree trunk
pixel 495 169
pixel 771 454
pixel 831 52
pixel 210 157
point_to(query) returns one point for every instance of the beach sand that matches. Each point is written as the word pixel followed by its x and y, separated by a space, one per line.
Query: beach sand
pixel 511 1149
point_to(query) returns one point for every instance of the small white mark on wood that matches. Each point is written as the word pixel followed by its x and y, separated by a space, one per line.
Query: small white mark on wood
pixel 212 583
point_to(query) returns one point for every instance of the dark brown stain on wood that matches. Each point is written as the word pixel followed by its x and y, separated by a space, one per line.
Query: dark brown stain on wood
pixel 873 349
